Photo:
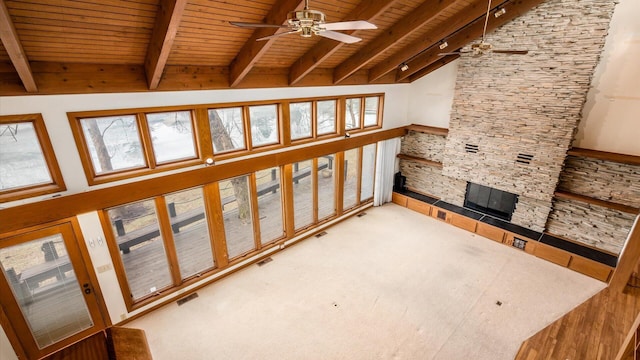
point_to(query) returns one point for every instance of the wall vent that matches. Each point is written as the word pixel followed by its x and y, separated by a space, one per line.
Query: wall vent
pixel 264 261
pixel 470 148
pixel 187 298
pixel 442 215
pixel 519 243
pixel 524 158
pixel 361 214
pixel 321 234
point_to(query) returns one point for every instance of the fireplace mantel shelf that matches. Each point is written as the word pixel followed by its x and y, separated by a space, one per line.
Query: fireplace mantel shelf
pixel 593 201
pixel 420 160
pixel 428 129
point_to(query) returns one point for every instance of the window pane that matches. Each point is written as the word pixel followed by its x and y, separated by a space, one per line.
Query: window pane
pixel 236 210
pixel 264 124
pixel 352 114
pixel 371 111
pixel 141 248
pixel 302 194
pixel 351 165
pixel 114 143
pixel 227 129
pixel 326 117
pixel 368 171
pixel 269 205
pixel 171 136
pixel 300 114
pixel 190 231
pixel 21 160
pixel 326 187
pixel 44 284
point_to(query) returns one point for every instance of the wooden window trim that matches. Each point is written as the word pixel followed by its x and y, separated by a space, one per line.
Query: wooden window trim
pixel 279 121
pixel 57 181
pixel 194 137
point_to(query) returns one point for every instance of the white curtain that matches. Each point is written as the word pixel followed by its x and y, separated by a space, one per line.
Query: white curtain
pixel 385 170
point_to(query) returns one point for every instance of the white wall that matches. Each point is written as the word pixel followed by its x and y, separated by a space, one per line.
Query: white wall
pixel 54 110
pixel 611 115
pixel 431 97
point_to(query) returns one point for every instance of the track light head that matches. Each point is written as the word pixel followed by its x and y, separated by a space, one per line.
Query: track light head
pixel 404 67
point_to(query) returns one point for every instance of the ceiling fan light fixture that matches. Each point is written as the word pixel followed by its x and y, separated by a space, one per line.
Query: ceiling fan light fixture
pixel 443 45
pixel 404 67
pixel 500 12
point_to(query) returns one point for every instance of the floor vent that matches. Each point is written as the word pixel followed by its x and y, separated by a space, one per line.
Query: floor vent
pixel 264 261
pixel 321 234
pixel 524 158
pixel 187 298
pixel 470 148
pixel 361 214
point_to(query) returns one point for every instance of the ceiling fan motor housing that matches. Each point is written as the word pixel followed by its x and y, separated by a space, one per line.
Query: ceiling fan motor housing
pixel 309 21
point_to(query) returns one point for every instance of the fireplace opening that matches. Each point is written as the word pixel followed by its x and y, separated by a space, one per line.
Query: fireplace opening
pixel 490 201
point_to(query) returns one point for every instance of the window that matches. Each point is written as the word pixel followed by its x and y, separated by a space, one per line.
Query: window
pixel 302 194
pixel 227 129
pixel 269 205
pixel 371 111
pixel 326 117
pixel 300 120
pixel 264 125
pixel 351 169
pixel 352 114
pixel 28 166
pixel 114 147
pixel 326 187
pixel 141 247
pixel 237 214
pixel 171 136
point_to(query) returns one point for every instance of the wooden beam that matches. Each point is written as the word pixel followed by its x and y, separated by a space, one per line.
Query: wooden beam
pixel 593 201
pixel 425 13
pixel 253 50
pixel 471 32
pixel 604 155
pixel 24 216
pixel 433 67
pixel 164 32
pixel 13 46
pixel 628 260
pixel 326 47
pixel 467 15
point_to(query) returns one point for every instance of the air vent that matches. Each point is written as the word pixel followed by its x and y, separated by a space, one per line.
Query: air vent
pixel 442 215
pixel 264 261
pixel 524 158
pixel 361 214
pixel 519 243
pixel 321 234
pixel 187 298
pixel 470 148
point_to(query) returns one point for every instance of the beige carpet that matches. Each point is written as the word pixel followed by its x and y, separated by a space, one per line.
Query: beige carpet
pixel 393 284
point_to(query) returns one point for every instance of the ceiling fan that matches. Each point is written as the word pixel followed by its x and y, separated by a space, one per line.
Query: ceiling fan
pixel 484 47
pixel 310 22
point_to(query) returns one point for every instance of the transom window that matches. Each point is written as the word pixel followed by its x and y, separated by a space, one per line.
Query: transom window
pixel 362 112
pixel 28 166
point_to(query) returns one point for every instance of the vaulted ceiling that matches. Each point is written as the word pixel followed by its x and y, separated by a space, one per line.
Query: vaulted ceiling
pixel 86 46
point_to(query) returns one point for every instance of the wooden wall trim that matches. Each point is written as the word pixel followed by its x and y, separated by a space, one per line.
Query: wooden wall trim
pixel 593 201
pixel 67 206
pixel 628 260
pixel 428 129
pixel 604 155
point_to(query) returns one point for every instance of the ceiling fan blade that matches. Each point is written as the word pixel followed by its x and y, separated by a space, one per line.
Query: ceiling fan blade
pixel 255 25
pixel 339 36
pixel 350 25
pixel 513 52
pixel 278 35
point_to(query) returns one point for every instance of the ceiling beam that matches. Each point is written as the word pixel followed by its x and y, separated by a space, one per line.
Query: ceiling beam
pixel 164 32
pixel 406 26
pixel 253 50
pixel 457 22
pixel 471 32
pixel 326 47
pixel 12 45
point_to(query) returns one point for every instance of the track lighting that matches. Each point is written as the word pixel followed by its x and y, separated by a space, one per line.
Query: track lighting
pixel 443 45
pixel 500 12
pixel 404 67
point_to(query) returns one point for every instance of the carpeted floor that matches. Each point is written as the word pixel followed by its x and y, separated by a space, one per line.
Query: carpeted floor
pixel 393 284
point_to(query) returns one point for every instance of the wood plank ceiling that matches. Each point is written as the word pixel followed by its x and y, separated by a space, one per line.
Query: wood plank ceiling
pixel 83 46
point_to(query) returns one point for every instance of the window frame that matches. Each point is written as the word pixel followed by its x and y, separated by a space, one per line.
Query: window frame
pixel 57 181
pixel 363 100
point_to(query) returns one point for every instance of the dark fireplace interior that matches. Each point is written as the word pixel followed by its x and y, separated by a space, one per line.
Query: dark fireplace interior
pixel 490 201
